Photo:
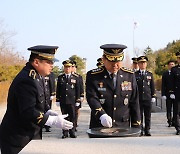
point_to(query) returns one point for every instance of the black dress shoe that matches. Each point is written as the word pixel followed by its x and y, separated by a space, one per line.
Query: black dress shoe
pixel 178 132
pixel 64 136
pixel 72 135
pixel 170 124
pixel 141 134
pixel 48 130
pixel 147 133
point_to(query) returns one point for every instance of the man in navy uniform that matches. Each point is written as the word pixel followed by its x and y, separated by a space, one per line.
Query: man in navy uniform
pixel 135 64
pixel 166 91
pixel 176 95
pixel 26 104
pixel 111 91
pixel 67 94
pixel 147 94
pixel 81 84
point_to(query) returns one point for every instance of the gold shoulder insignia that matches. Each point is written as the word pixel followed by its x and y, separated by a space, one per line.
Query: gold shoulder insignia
pixel 149 72
pixel 75 74
pixel 98 110
pixel 32 74
pixel 40 117
pixel 127 70
pixel 53 93
pixel 97 70
pixel 137 123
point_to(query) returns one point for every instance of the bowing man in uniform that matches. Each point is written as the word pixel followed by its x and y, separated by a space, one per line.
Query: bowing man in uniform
pixel 166 91
pixel 27 111
pixel 111 91
pixel 147 94
pixel 67 94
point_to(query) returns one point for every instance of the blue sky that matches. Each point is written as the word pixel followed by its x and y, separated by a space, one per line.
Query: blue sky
pixel 79 27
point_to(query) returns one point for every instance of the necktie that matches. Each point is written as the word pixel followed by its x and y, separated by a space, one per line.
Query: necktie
pixel 112 75
pixel 67 78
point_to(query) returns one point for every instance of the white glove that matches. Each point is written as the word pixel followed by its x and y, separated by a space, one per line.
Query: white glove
pixel 106 120
pixel 153 100
pixel 57 103
pixel 81 99
pixel 59 122
pixel 77 104
pixel 164 97
pixel 172 96
pixel 51 112
pixel 52 97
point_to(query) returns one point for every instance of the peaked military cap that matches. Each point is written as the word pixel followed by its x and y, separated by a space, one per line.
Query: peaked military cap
pixel 113 52
pixel 134 59
pixel 178 54
pixel 44 51
pixel 73 63
pixel 142 59
pixel 67 63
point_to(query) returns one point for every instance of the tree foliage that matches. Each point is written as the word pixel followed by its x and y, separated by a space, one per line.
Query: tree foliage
pixel 165 55
pixel 10 62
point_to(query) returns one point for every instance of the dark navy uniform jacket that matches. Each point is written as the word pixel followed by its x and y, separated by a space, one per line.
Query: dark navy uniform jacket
pixel 26 105
pixel 67 93
pixel 167 86
pixel 145 86
pixel 81 87
pixel 121 103
pixel 176 81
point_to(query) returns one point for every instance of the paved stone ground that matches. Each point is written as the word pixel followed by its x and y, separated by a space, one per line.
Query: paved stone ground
pixel 162 141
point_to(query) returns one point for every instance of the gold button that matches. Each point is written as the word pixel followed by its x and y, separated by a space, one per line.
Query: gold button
pixel 114 108
pixel 114 120
pixel 115 96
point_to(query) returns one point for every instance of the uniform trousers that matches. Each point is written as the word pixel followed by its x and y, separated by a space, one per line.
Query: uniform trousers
pixel 145 111
pixel 169 106
pixel 176 114
pixel 70 110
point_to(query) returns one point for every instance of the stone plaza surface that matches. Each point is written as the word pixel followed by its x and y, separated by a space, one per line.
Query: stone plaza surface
pixel 162 141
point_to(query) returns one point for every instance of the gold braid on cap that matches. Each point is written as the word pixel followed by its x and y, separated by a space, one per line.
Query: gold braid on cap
pixel 112 57
pixel 44 55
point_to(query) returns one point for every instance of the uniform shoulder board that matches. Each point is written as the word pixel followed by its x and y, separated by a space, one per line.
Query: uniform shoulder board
pixel 149 72
pixel 32 73
pixel 127 70
pixel 61 74
pixel 75 74
pixel 97 70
